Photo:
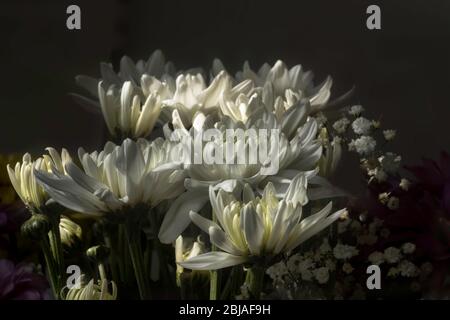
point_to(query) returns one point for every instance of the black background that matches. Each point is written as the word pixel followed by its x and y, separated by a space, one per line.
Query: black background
pixel 401 72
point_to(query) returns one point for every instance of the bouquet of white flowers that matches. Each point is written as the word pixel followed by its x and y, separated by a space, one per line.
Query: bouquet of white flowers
pixel 211 185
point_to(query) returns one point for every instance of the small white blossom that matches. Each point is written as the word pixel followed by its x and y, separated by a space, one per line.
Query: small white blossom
pixel 347 268
pixel 277 271
pixel 322 275
pixel 383 197
pixel 408 269
pixel 344 252
pixel 405 184
pixel 393 203
pixel 293 262
pixel 361 126
pixel 306 264
pixel 389 134
pixel 341 125
pixel 376 257
pixel 378 174
pixel 363 145
pixel 408 248
pixel 390 162
pixel 356 110
pixel 376 124
pixel 392 255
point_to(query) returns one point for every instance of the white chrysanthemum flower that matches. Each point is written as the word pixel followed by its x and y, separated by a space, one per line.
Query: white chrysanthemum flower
pixel 392 255
pixel 300 154
pixel 356 110
pixel 344 252
pixel 363 145
pixel 155 66
pixel 23 179
pixel 252 108
pixel 127 111
pixel 192 95
pixel 257 228
pixel 341 125
pixel 389 134
pixel 361 126
pixel 281 82
pixel 117 178
pixel 92 291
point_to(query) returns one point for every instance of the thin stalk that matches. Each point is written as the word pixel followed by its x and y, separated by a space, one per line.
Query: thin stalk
pixel 102 271
pixel 57 251
pixel 138 262
pixel 52 274
pixel 113 263
pixel 255 281
pixel 233 283
pixel 213 274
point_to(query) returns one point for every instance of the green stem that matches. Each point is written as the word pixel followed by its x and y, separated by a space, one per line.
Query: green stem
pixel 138 262
pixel 214 279
pixel 213 274
pixel 113 263
pixel 52 274
pixel 102 271
pixel 57 252
pixel 255 281
pixel 233 283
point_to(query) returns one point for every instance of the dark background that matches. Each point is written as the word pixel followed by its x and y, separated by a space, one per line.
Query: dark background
pixel 401 72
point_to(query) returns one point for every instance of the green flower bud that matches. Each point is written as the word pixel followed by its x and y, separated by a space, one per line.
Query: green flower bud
pixel 98 253
pixel 36 227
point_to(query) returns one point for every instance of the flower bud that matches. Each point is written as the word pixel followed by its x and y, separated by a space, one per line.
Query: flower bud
pixel 98 253
pixel 36 227
pixel 70 232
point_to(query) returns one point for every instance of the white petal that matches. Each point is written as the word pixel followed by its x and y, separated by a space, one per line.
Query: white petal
pixel 221 240
pixel 177 218
pixel 296 193
pixel 201 222
pixel 253 228
pixel 213 261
